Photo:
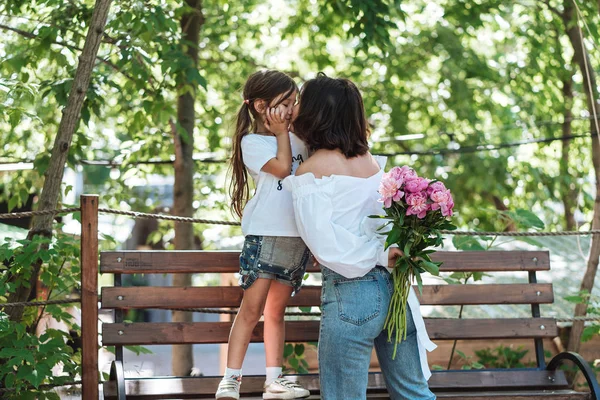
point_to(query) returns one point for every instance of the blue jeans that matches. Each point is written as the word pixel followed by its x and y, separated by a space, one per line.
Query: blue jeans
pixel 353 314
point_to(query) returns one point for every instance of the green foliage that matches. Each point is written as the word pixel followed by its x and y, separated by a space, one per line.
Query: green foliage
pixel 416 237
pixel 520 219
pixel 294 357
pixel 421 66
pixel 488 358
pixel 26 359
pixel 592 328
pixel 468 363
pixel 503 357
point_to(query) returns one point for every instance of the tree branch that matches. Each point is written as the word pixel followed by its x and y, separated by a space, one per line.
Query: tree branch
pixel 69 46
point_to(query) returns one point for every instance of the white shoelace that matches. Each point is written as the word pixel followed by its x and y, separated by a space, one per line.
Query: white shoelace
pixel 229 383
pixel 285 383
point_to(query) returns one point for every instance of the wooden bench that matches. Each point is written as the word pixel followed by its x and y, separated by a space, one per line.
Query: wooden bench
pixel 544 381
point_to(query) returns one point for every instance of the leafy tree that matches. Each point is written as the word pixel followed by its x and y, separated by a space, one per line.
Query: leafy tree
pixel 460 75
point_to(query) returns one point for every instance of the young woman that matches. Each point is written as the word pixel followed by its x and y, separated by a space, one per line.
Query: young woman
pixel 334 192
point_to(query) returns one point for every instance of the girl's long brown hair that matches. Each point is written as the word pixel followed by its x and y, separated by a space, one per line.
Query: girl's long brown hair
pixel 262 85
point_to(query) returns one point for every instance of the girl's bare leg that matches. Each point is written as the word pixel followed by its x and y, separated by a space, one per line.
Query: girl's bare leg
pixel 277 299
pixel 249 314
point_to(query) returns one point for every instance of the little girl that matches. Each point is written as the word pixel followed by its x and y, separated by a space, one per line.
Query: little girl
pixel 274 257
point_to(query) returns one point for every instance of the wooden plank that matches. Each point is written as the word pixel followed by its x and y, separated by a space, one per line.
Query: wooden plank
pixel 89 295
pixel 231 296
pixel 161 261
pixel 475 261
pixel 146 333
pixel 192 297
pixel 515 379
pixel 521 395
pixel 475 381
pixel 491 328
pixel 202 261
pixel 523 293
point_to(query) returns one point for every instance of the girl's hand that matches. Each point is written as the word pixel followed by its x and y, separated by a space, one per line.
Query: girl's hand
pixel 276 120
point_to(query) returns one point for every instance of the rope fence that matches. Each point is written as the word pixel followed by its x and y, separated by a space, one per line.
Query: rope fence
pixel 135 214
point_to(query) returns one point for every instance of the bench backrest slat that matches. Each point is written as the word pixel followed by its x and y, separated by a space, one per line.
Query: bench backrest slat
pixel 146 333
pixel 231 296
pixel 157 261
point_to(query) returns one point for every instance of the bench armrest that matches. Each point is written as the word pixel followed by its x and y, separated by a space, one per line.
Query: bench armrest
pixel 583 366
pixel 118 374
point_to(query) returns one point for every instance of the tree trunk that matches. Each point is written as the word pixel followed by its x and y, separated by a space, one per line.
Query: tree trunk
pixel 589 84
pixel 42 225
pixel 569 195
pixel 182 359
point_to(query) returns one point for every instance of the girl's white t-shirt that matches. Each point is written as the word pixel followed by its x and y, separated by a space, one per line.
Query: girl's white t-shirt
pixel 270 211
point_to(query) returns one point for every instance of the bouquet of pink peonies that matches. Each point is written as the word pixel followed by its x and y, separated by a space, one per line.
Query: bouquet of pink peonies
pixel 417 209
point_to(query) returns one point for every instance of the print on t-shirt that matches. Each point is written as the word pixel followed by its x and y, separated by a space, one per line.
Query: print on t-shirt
pixel 300 160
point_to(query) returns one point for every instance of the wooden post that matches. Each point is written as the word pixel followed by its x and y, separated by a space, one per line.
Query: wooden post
pixel 89 296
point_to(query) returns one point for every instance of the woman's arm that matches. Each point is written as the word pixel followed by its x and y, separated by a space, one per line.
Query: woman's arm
pixel 335 247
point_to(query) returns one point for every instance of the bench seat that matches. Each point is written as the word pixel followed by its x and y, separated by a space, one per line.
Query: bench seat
pixel 472 384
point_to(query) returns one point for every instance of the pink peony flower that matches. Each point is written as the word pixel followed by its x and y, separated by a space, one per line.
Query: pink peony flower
pixel 407 173
pixel 435 186
pixel 389 188
pixel 417 203
pixel 416 185
pixel 447 208
pixel 396 174
pixel 440 196
pixel 442 199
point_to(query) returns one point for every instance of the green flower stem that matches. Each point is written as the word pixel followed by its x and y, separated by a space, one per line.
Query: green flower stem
pixel 396 318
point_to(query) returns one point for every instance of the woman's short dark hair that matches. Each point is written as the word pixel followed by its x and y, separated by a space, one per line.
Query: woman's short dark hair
pixel 332 116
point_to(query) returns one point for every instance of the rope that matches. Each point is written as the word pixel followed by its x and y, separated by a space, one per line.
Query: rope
pixel 43 387
pixel 27 214
pixel 38 303
pixel 559 233
pixel 462 149
pixel 135 214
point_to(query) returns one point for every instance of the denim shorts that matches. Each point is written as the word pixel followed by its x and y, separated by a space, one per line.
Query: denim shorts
pixel 280 258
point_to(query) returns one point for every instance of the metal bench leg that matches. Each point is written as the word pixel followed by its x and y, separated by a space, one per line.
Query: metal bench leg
pixel 588 373
pixel 117 374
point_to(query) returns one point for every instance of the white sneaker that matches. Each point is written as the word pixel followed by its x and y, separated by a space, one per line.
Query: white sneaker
pixel 229 388
pixel 281 388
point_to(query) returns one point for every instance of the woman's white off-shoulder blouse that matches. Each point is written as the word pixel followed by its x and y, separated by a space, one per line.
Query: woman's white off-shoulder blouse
pixel 332 216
